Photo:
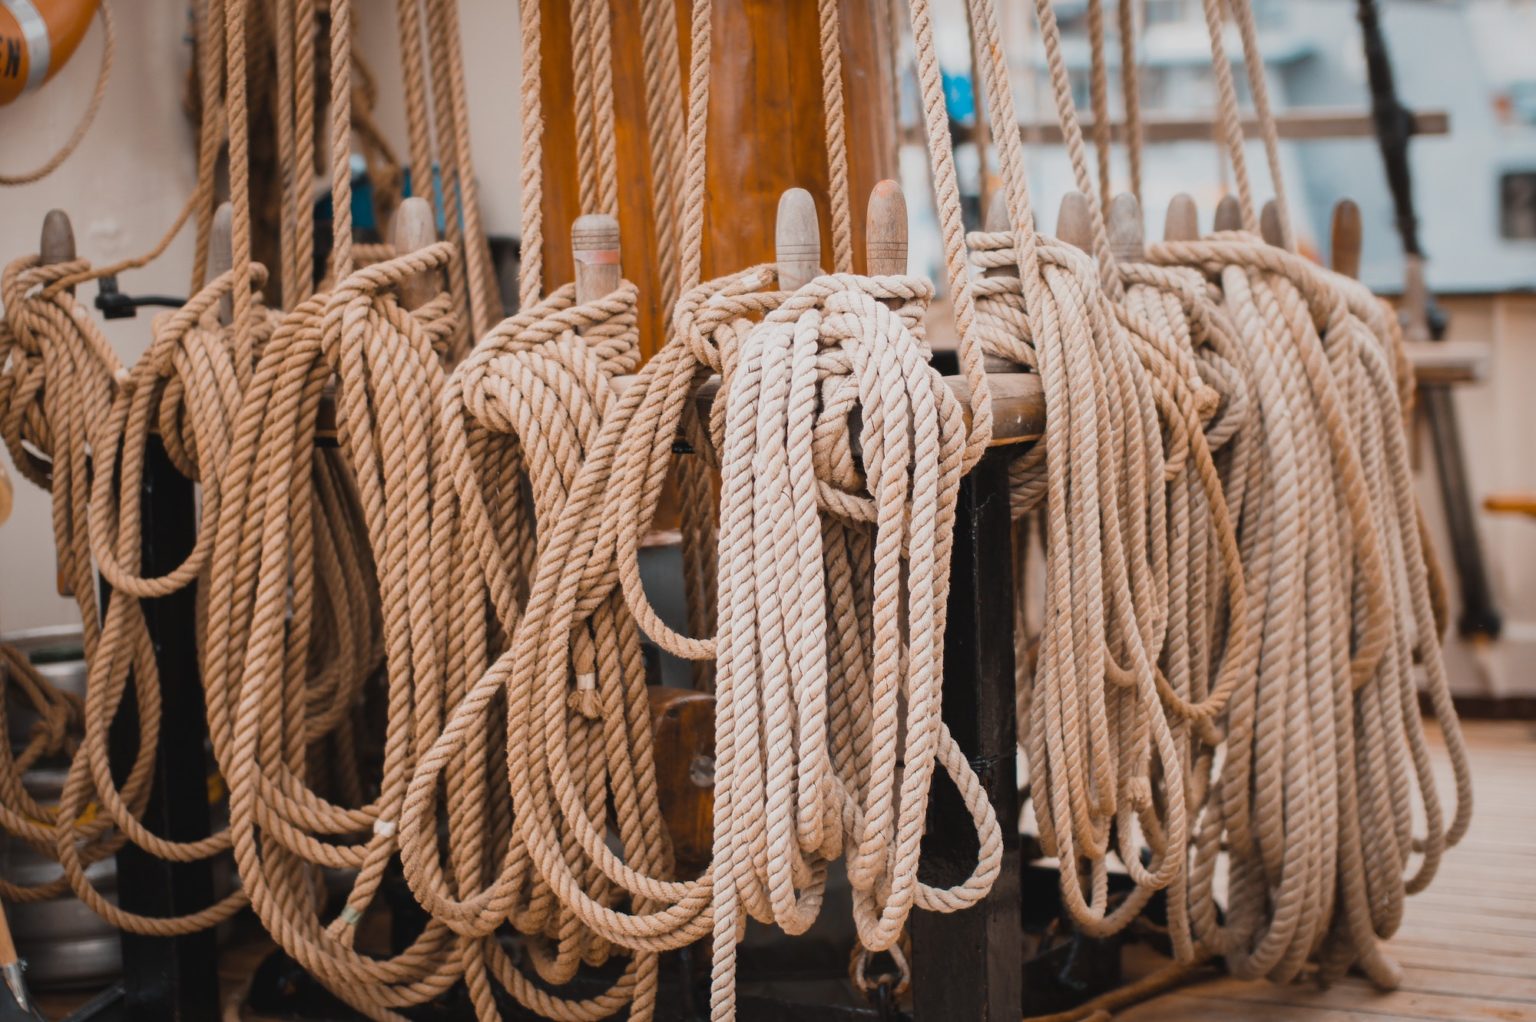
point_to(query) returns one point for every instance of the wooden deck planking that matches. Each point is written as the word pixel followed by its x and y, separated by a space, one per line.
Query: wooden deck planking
pixel 1467 945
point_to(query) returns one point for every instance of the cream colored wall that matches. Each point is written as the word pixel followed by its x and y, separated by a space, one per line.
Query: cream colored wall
pixel 1498 424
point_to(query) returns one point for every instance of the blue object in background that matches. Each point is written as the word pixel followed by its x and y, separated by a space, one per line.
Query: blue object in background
pixel 362 199
pixel 960 97
pixel 363 217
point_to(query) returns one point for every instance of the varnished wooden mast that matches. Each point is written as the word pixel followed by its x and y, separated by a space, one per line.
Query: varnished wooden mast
pixel 765 124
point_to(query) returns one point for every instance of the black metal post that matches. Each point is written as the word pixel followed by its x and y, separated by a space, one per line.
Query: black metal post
pixel 1394 127
pixel 969 965
pixel 169 979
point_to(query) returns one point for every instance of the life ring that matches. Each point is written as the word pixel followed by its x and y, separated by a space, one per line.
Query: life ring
pixel 37 37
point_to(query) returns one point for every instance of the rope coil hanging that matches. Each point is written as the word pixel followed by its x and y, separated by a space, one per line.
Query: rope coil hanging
pixel 1239 605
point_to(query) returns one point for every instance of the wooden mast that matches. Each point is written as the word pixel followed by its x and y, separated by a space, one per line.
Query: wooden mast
pixel 765 123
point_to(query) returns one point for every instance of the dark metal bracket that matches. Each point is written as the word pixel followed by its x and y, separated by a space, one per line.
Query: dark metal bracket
pixel 113 304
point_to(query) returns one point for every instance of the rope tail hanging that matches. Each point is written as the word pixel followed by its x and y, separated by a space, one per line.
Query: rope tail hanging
pixel 409 506
pixel 1313 776
pixel 1099 746
pixel 77 422
pixel 596 480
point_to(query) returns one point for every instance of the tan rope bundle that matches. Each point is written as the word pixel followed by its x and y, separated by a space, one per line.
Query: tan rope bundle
pixel 596 476
pixel 267 585
pixel 1100 748
pixel 822 780
pixel 526 406
pixel 388 376
pixel 1347 589
pixel 1311 387
pixel 570 748
pixel 1306 783
pixel 58 383
pixel 1238 602
pixel 70 403
pixel 1341 573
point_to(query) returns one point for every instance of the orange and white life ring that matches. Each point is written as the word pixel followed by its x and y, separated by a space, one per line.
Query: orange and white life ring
pixel 36 38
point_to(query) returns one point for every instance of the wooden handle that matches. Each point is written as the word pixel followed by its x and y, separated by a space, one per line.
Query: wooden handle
pixel 1183 220
pixel 797 240
pixel 595 249
pixel 1127 237
pixel 1270 227
pixel 999 219
pixel 57 245
pixel 1347 237
pixel 221 255
pixel 1074 221
pixel 7 495
pixel 8 954
pixel 885 231
pixel 415 228
pixel 1229 214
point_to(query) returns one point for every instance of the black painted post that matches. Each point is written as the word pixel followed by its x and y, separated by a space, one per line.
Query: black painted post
pixel 169 979
pixel 969 965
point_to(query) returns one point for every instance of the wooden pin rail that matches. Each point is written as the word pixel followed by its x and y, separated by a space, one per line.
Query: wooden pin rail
pixel 965 965
pixel 1301 123
pixel 1018 399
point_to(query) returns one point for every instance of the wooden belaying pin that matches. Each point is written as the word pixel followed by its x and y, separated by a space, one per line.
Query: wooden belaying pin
pixel 595 249
pixel 1229 214
pixel 415 228
pixel 1074 221
pixel 997 220
pixel 1346 239
pixel 1270 227
pixel 1126 234
pixel 57 245
pixel 1183 220
pixel 7 495
pixel 885 231
pixel 797 240
pixel 221 256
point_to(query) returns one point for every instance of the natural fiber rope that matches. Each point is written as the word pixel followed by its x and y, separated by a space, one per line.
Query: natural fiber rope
pixel 584 582
pixel 1125 15
pixel 1342 409
pixel 1218 347
pixel 1229 658
pixel 1098 90
pixel 1253 59
pixel 68 401
pixel 1092 721
pixel 1130 78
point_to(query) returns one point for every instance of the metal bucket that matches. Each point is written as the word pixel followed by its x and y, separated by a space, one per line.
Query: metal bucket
pixel 64 942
